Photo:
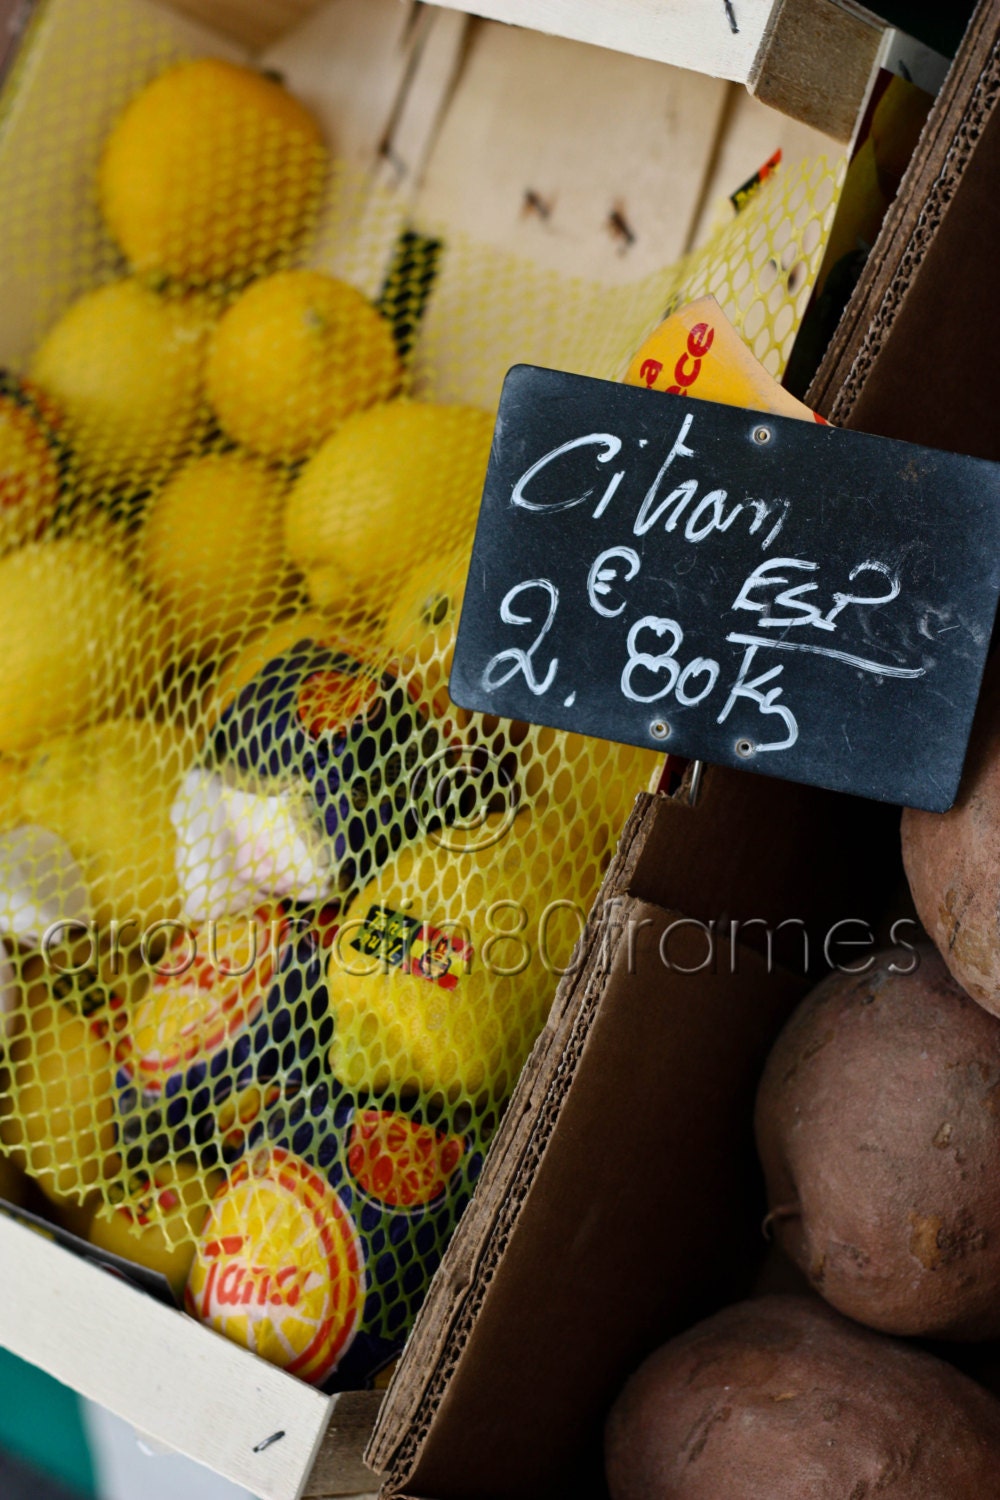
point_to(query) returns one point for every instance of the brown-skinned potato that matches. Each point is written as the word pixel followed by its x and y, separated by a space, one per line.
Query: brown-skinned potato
pixel 878 1127
pixel 952 861
pixel 782 1399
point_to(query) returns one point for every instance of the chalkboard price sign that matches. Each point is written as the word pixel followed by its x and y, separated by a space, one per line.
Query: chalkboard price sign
pixel 743 588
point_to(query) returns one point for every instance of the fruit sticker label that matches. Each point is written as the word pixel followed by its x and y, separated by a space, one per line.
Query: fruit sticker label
pixel 414 947
pixel 200 1004
pixel 398 1161
pixel 279 1266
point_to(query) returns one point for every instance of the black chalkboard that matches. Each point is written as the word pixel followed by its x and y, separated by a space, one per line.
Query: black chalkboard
pixel 748 589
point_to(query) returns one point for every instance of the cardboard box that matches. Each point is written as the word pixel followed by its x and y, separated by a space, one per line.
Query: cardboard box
pixel 620 1201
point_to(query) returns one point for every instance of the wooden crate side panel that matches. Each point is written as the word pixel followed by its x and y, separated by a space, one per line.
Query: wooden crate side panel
pixel 584 162
pixel 816 62
pixel 157 1368
pixel 710 36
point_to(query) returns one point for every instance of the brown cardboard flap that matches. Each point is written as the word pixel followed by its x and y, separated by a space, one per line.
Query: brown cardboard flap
pixel 620 1198
pixel 917 353
pixel 739 854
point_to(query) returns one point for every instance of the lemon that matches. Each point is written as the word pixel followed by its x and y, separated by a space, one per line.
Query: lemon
pixel 423 620
pixel 72 628
pixel 295 355
pixel 279 1266
pixel 393 485
pixel 107 792
pixel 211 172
pixel 422 625
pixel 56 1116
pixel 263 646
pixel 156 1221
pixel 428 994
pixel 125 366
pixel 212 551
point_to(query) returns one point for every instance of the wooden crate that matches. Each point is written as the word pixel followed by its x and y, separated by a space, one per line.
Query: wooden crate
pixel 810 58
pixel 457 121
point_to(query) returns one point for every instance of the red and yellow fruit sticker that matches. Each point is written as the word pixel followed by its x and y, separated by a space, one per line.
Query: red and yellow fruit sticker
pixel 208 988
pixel 413 947
pixel 399 1161
pixel 697 352
pixel 279 1267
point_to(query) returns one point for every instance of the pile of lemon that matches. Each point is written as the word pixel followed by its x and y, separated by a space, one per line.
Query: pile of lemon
pixel 212 456
pixel 203 452
pixel 251 415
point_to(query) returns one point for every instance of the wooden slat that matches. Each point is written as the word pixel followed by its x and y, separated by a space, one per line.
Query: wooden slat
pixel 348 62
pixel 339 1468
pixel 377 74
pixel 165 1373
pixel 585 162
pixel 709 36
pixel 750 133
pixel 816 62
pixel 252 23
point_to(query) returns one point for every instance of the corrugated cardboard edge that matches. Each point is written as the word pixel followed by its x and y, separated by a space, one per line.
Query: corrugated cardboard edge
pixel 462 1281
pixel 970 94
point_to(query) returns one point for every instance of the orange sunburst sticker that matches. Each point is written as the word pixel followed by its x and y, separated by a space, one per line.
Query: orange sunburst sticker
pixel 399 1161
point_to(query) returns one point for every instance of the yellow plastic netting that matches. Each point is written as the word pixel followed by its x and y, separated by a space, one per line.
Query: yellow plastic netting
pixel 280 923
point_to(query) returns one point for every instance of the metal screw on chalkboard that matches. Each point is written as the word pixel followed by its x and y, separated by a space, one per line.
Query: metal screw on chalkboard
pixel 659 730
pixel 762 434
pixel 745 748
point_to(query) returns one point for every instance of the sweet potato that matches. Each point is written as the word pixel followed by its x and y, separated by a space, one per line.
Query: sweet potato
pixel 952 861
pixel 878 1126
pixel 782 1399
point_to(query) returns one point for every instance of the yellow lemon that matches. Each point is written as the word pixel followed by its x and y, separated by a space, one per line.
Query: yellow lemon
pixel 392 486
pixel 211 172
pixel 73 629
pixel 212 551
pixel 279 1267
pixel 56 1116
pixel 443 970
pixel 295 355
pixel 263 646
pixel 421 628
pixel 433 979
pixel 125 366
pixel 423 620
pixel 155 1221
pixel 107 792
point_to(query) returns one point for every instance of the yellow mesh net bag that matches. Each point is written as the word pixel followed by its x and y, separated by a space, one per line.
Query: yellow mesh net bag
pixel 280 924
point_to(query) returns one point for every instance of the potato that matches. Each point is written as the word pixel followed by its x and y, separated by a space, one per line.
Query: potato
pixel 781 1399
pixel 878 1126
pixel 952 862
